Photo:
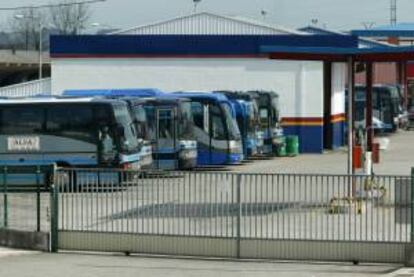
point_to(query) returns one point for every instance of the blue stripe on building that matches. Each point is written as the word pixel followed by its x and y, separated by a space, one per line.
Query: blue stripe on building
pixel 310 137
pixel 187 44
pixel 338 134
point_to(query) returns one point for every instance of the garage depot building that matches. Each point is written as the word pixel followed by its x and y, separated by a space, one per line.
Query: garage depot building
pixel 311 93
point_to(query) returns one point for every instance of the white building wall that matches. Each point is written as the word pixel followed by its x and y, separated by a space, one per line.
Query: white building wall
pixel 339 73
pixel 299 84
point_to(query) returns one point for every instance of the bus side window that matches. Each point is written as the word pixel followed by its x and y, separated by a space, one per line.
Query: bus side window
pixel 198 114
pixel 74 122
pixel 22 120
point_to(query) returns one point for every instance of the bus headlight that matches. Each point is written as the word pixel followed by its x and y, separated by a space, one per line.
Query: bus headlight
pixel 235 147
pixel 188 154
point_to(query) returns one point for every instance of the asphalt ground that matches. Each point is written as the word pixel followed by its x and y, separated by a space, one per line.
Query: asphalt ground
pixel 91 265
pixel 396 160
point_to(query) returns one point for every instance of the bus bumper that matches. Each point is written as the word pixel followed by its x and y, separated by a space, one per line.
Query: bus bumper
pixel 187 159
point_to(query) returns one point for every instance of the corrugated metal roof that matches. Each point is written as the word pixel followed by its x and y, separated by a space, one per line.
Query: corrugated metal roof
pixel 208 24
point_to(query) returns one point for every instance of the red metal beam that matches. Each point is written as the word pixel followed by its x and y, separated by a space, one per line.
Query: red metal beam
pixel 369 57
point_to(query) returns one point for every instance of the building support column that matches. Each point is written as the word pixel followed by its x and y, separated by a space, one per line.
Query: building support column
pixel 368 119
pixel 350 119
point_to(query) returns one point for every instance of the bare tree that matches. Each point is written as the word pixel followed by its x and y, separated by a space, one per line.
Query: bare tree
pixel 70 19
pixel 25 26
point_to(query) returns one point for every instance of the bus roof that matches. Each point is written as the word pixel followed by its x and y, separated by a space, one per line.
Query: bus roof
pixel 138 92
pixel 202 96
pixel 54 100
pixel 171 100
pixel 241 95
pixel 264 92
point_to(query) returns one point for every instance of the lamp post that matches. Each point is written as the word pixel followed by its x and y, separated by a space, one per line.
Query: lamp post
pixel 41 27
pixel 111 28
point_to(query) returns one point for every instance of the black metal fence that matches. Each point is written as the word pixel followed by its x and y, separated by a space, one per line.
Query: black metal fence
pixel 277 216
pixel 241 206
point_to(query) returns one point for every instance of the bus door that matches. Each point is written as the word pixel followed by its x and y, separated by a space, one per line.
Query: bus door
pixel 219 143
pixel 166 139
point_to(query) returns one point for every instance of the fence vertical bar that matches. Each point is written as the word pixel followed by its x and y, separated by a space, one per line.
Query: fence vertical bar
pixel 239 215
pixel 412 204
pixel 5 200
pixel 54 218
pixel 38 199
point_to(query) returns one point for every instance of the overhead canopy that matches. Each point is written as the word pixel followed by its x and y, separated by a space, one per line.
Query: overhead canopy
pixel 338 54
pixel 397 30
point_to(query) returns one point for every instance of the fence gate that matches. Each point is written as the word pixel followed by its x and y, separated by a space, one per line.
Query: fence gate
pixel 25 206
pixel 263 216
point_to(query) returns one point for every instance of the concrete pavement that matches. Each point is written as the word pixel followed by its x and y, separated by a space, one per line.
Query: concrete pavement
pixel 396 160
pixel 79 265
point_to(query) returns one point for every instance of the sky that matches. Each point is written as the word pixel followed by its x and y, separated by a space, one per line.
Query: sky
pixel 334 14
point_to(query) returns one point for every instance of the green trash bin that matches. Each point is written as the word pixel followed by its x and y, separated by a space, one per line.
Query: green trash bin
pixel 281 146
pixel 292 146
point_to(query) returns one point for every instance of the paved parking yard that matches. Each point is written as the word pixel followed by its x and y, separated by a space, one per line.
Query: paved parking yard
pixel 65 265
pixel 397 159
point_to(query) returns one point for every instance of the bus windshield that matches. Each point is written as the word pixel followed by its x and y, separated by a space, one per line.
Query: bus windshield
pixel 152 128
pixel 396 100
pixel 233 129
pixel 186 130
pixel 252 116
pixel 275 110
pixel 142 122
pixel 123 119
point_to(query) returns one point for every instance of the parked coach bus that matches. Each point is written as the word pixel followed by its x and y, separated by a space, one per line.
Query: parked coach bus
pixel 269 119
pixel 169 126
pixel 171 132
pixel 138 115
pixel 79 132
pixel 218 136
pixel 384 104
pixel 247 116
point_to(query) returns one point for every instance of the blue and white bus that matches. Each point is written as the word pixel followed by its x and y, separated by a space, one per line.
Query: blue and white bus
pixel 69 132
pixel 247 116
pixel 140 118
pixel 218 136
pixel 137 112
pixel 171 132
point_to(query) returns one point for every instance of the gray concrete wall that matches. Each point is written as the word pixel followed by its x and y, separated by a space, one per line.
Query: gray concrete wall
pixel 25 240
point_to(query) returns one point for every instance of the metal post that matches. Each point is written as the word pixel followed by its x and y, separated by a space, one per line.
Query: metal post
pixel 54 205
pixel 350 114
pixel 239 215
pixel 38 199
pixel 412 205
pixel 5 200
pixel 40 50
pixel 404 86
pixel 368 120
